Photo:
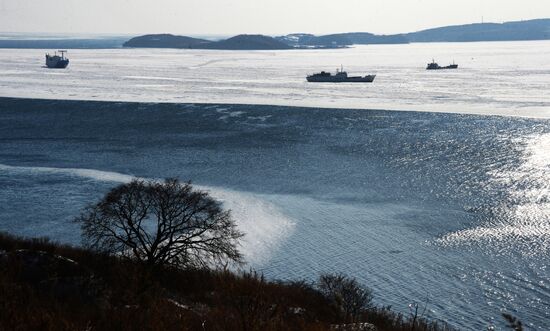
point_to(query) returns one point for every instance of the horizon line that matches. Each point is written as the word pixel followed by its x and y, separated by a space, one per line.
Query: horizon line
pixel 124 34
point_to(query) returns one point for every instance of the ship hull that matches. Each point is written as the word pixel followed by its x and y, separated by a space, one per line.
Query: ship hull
pixel 452 66
pixel 61 64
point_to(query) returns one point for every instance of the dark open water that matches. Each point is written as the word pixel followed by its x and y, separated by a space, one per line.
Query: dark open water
pixel 445 208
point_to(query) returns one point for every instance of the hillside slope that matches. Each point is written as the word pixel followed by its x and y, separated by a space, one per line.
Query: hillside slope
pixel 46 286
pixel 166 41
pixel 240 42
pixel 509 31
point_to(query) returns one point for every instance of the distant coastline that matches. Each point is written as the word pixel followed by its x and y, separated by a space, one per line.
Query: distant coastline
pixel 510 31
pixel 538 29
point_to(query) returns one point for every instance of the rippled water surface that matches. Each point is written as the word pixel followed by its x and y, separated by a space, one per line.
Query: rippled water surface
pixel 448 209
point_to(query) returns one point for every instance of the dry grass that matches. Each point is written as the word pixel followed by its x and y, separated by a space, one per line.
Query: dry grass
pixel 41 290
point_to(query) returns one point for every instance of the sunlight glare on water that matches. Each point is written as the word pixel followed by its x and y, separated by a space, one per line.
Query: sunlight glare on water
pixel 521 223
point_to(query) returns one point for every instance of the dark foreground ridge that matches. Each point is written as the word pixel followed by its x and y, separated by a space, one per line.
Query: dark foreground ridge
pixel 47 286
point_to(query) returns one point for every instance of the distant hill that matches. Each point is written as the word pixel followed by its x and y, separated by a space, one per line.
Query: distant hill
pixel 523 30
pixel 166 41
pixel 248 42
pixel 340 40
pixel 365 38
pixel 240 42
pixel 305 40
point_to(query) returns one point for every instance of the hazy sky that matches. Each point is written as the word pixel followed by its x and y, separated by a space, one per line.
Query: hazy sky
pixel 226 17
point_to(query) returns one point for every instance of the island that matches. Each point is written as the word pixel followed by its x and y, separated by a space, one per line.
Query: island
pixel 240 42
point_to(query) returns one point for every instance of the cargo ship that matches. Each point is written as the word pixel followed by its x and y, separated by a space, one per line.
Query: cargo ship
pixel 435 66
pixel 57 62
pixel 340 77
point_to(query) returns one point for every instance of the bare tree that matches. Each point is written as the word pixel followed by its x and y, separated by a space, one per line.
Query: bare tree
pixel 347 294
pixel 162 223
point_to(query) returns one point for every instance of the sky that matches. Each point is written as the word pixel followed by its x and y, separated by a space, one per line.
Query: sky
pixel 271 17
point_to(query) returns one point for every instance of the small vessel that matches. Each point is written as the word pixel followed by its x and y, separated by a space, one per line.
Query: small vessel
pixel 435 66
pixel 57 62
pixel 340 77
